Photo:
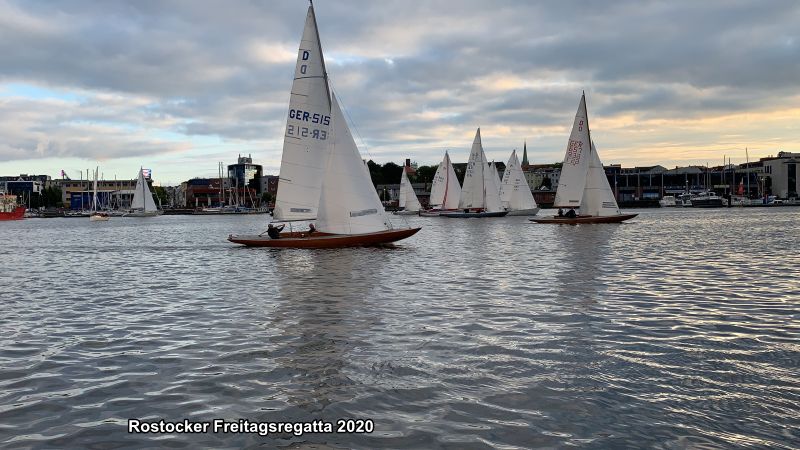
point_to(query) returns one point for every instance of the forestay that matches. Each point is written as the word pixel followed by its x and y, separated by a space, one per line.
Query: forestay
pixel 348 203
pixel 576 162
pixel 308 132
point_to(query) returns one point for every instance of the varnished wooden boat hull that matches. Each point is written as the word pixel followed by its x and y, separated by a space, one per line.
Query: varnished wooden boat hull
pixel 584 219
pixel 470 215
pixel 324 240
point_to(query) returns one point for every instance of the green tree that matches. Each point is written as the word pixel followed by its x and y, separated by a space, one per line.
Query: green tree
pixel 161 195
pixel 425 174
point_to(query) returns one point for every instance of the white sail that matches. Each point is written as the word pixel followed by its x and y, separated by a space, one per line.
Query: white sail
pixel 473 188
pixel 445 191
pixel 308 129
pixel 142 196
pixel 515 193
pixel 576 162
pixel 348 203
pixel 408 198
pixel 491 200
pixel 598 198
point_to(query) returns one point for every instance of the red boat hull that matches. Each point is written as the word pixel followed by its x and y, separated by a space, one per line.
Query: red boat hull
pixel 584 219
pixel 17 214
pixel 324 240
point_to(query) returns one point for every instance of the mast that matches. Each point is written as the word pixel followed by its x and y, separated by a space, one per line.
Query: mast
pixel 321 56
pixel 747 172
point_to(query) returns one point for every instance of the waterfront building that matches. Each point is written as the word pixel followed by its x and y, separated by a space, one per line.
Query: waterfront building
pixel 111 194
pixel 244 174
pixel 782 172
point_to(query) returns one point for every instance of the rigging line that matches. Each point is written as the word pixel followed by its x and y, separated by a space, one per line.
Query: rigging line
pixel 352 122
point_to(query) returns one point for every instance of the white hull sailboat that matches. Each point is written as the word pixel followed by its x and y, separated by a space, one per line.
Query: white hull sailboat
pixel 409 203
pixel 322 175
pixel 480 194
pixel 583 187
pixel 97 216
pixel 445 190
pixel 143 204
pixel 515 194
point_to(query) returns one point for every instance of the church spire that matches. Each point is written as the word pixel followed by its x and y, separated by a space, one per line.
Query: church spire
pixel 525 154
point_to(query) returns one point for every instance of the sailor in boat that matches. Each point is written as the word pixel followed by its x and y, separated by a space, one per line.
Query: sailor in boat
pixel 560 212
pixel 571 214
pixel 274 232
pixel 311 228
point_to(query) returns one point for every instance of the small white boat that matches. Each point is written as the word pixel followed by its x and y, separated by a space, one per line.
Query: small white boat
pixel 515 194
pixel 97 216
pixel 480 194
pixel 143 204
pixel 668 201
pixel 409 203
pixel 445 191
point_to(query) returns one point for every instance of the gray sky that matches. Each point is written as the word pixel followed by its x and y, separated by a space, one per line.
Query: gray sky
pixel 178 85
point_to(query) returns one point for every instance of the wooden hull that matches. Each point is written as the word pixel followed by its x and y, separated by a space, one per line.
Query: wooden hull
pixel 524 212
pixel 471 215
pixel 406 213
pixel 324 240
pixel 17 214
pixel 584 219
pixel 435 212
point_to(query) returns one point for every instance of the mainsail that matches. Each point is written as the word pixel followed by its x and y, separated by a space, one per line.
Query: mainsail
pixel 576 162
pixel 308 130
pixel 445 191
pixel 408 198
pixel 515 193
pixel 348 203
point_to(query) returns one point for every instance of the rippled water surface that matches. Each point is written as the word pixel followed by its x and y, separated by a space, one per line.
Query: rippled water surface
pixel 678 329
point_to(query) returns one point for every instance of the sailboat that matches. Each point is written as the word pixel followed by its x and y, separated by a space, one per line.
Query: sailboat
pixel 142 204
pixel 515 194
pixel 322 175
pixel 480 194
pixel 445 190
pixel 583 184
pixel 409 204
pixel 97 216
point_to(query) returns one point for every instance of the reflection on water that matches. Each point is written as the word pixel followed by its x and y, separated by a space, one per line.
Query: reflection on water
pixel 678 329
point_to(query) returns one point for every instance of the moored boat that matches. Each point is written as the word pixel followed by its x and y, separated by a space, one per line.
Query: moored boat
pixel 9 209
